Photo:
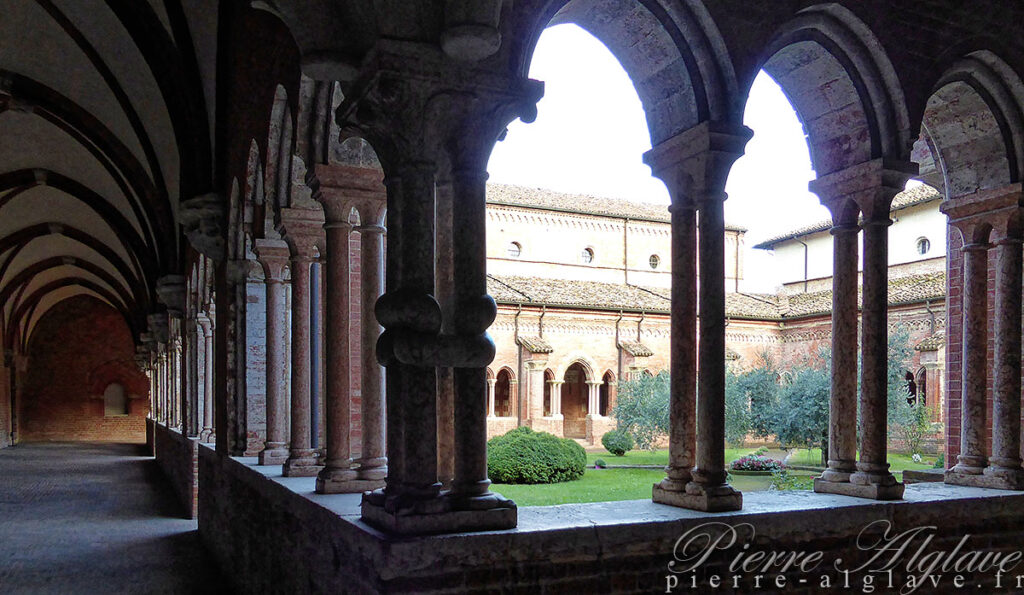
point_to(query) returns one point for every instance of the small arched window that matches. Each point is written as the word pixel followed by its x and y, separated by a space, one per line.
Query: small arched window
pixel 587 256
pixel 514 249
pixel 115 401
pixel 654 261
pixel 923 246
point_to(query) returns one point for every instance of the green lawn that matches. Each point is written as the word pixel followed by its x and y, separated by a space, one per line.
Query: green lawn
pixel 607 485
pixel 898 463
pixel 658 457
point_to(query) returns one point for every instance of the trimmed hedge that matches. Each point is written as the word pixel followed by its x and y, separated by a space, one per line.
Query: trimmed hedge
pixel 525 456
pixel 617 442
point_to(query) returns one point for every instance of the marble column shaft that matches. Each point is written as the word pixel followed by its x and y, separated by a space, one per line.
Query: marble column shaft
pixel 710 465
pixel 974 380
pixel 490 396
pixel 683 349
pixel 273 255
pixel 1006 424
pixel 842 423
pixel 873 468
pixel 301 458
pixel 207 328
pixel 372 463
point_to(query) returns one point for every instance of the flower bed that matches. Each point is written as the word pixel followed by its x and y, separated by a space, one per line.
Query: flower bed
pixel 756 463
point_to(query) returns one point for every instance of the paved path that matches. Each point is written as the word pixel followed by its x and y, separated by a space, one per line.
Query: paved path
pixel 95 518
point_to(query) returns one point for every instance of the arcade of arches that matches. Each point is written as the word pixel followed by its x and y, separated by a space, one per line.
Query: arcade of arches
pixel 198 193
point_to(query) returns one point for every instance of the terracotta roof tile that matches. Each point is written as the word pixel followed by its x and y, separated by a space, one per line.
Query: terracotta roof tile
pixel 636 348
pixel 932 343
pixel 536 345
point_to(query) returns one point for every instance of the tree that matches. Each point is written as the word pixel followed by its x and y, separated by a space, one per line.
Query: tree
pixel 642 409
pixel 800 418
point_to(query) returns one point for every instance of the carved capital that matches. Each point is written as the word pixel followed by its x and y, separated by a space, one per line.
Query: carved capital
pixel 274 256
pixel 170 289
pixel 987 215
pixel 695 164
pixel 868 187
pixel 303 230
pixel 203 220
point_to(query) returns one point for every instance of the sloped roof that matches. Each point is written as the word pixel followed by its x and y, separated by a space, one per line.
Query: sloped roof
pixel 615 296
pixel 932 343
pixel 636 348
pixel 536 345
pixel 908 198
pixel 585 204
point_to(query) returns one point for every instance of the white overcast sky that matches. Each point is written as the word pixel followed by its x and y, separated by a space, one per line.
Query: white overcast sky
pixel 590 135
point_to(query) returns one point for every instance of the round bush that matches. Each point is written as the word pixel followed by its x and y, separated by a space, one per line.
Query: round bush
pixel 525 456
pixel 617 442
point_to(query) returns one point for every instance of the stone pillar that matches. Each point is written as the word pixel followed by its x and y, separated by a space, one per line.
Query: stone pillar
pixel 694 166
pixel 337 475
pixel 372 464
pixel 869 188
pixel 556 397
pixel 206 326
pixel 594 398
pixel 435 127
pixel 842 425
pixel 535 387
pixel 302 229
pixel 1005 463
pixel 977 216
pixel 273 256
pixel 490 396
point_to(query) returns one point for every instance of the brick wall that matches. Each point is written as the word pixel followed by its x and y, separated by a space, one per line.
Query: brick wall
pixel 178 457
pixel 79 347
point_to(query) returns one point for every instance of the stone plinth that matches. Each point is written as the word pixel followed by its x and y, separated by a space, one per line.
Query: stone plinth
pixel 441 515
pixel 996 481
pixel 330 485
pixel 874 491
pixel 696 497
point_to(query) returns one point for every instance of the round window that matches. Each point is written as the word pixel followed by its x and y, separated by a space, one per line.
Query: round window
pixel 654 261
pixel 514 250
pixel 923 246
pixel 587 256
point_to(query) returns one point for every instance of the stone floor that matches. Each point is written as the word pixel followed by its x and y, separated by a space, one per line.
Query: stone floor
pixel 95 518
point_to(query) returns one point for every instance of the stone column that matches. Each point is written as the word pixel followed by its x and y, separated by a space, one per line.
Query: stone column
pixel 556 398
pixel 594 398
pixel 273 256
pixel 490 396
pixel 372 464
pixel 302 228
pixel 337 474
pixel 981 217
pixel 842 425
pixel 1005 463
pixel 535 387
pixel 694 166
pixel 206 326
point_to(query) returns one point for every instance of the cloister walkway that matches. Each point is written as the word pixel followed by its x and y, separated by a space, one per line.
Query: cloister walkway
pixel 95 518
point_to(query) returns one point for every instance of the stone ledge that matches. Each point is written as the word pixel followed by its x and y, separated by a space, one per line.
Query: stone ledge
pixel 337 550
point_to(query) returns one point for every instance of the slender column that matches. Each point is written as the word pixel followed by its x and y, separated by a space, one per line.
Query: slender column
pixel 873 468
pixel 273 255
pixel 302 459
pixel 556 397
pixel 709 472
pixel 1005 462
pixel 490 396
pixel 206 325
pixel 471 487
pixel 535 387
pixel 842 418
pixel 972 459
pixel 372 462
pixel 337 353
pixel 594 397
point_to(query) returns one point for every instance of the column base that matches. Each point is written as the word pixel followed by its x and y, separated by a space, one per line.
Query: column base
pixel 207 436
pixel 695 496
pixel 372 472
pixel 871 491
pixel 343 480
pixel 301 463
pixel 443 514
pixel 273 455
pixel 993 478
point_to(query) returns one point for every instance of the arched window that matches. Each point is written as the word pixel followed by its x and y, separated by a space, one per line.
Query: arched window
pixel 923 246
pixel 549 377
pixel 514 249
pixel 115 401
pixel 503 394
pixel 606 393
pixel 654 261
pixel 587 256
